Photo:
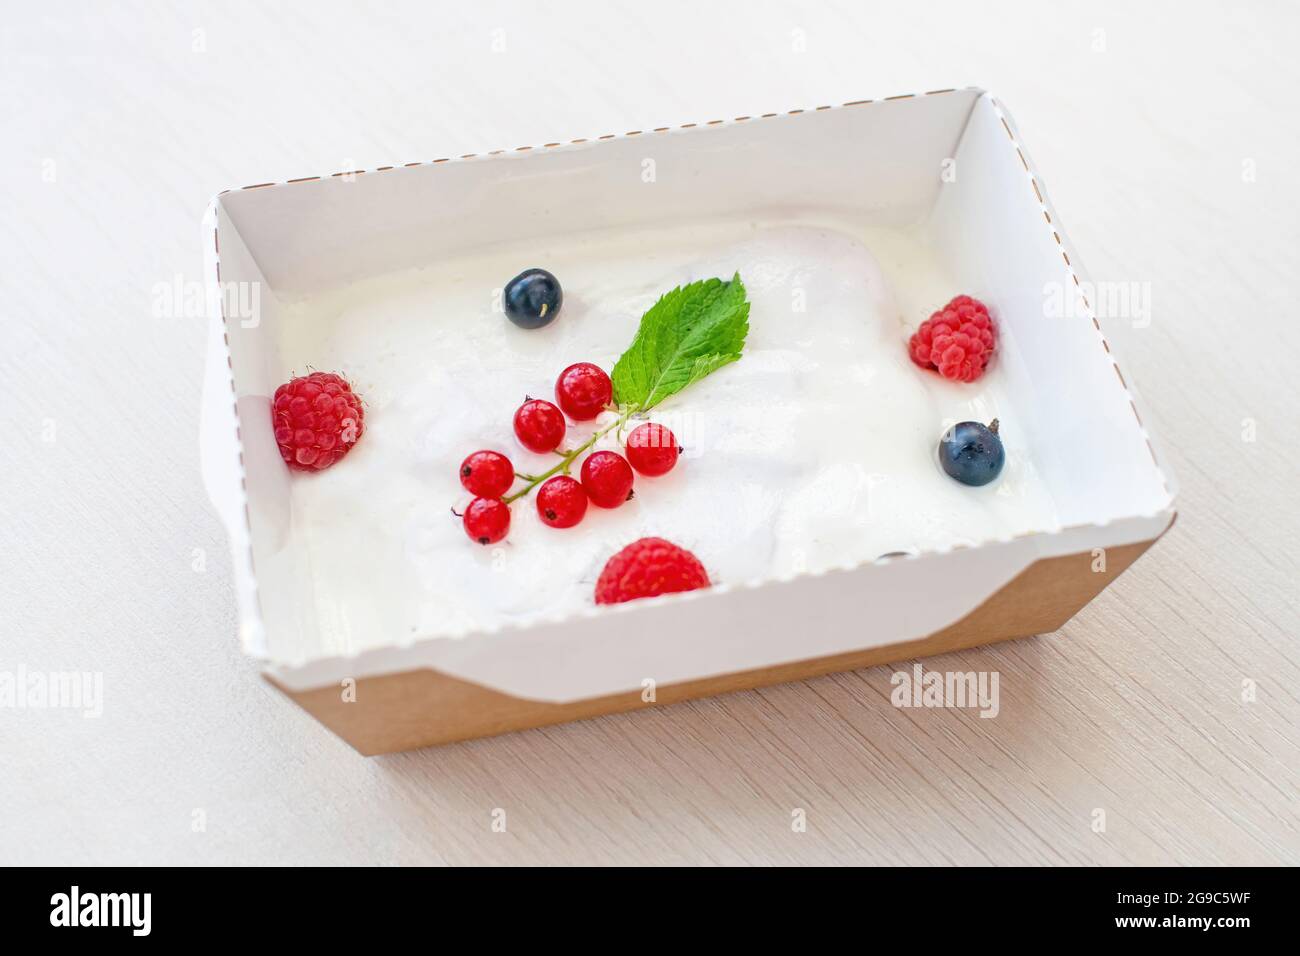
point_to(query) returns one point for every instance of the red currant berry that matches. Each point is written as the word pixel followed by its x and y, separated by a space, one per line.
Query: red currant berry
pixel 487 520
pixel 583 390
pixel 487 474
pixel 608 479
pixel 561 502
pixel 539 426
pixel 652 449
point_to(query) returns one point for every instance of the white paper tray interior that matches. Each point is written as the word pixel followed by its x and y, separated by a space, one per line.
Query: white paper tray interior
pixel 867 167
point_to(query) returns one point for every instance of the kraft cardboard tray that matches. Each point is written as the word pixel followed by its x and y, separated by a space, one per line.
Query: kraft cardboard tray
pixel 948 166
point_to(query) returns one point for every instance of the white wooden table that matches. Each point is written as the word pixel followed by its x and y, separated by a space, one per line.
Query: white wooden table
pixel 1169 139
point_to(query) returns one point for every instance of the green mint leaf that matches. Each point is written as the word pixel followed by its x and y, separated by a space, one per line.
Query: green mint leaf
pixel 689 333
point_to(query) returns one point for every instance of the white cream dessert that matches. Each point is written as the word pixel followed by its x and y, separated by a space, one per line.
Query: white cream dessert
pixel 816 450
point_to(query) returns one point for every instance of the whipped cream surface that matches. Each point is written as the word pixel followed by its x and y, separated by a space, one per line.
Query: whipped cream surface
pixel 816 450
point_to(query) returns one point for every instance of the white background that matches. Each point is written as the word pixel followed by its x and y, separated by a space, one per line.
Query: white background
pixel 1146 120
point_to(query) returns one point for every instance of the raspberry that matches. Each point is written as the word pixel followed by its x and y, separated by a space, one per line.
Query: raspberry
pixel 957 341
pixel 583 390
pixel 539 426
pixel 652 449
pixel 561 502
pixel 649 567
pixel 607 477
pixel 487 520
pixel 487 474
pixel 317 419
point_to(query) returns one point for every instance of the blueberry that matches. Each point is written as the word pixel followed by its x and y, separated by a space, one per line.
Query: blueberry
pixel 972 453
pixel 533 298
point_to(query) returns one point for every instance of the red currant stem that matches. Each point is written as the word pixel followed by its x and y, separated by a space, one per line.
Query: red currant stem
pixel 567 457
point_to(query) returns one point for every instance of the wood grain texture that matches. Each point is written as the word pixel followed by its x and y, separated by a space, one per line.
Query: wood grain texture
pixel 1168 139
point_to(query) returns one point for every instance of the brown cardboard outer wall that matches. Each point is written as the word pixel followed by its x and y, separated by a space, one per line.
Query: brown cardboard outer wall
pixel 420 708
